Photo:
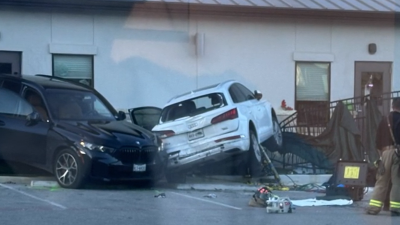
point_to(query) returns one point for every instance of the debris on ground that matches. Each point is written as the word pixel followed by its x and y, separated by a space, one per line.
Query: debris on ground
pixel 271 186
pixel 311 187
pixel 259 198
pixel 274 187
pixel 210 196
pixel 161 195
pixel 316 202
pixel 9 182
pixel 264 197
pixel 279 205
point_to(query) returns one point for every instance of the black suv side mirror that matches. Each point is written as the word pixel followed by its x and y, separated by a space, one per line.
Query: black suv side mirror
pixel 32 118
pixel 258 94
pixel 121 115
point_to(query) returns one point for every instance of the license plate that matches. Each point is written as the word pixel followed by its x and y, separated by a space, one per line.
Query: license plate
pixel 195 134
pixel 139 168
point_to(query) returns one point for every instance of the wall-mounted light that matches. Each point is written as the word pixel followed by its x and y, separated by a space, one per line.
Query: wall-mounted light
pixel 372 48
pixel 200 42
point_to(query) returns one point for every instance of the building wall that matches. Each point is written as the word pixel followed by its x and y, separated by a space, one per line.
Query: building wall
pixel 29 33
pixel 145 58
pixel 396 49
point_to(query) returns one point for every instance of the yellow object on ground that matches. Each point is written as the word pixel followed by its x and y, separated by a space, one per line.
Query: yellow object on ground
pixel 279 188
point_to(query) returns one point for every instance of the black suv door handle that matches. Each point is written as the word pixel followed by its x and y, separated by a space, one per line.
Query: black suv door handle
pixel 2 123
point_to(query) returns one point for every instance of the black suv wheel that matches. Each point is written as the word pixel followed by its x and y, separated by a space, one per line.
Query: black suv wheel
pixel 68 169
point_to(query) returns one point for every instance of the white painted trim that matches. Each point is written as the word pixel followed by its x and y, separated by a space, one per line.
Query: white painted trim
pixel 374 58
pixel 11 49
pixel 314 57
pixel 32 196
pixel 72 49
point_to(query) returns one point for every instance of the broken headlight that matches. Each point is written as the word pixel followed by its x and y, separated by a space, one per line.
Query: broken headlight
pixel 158 142
pixel 94 147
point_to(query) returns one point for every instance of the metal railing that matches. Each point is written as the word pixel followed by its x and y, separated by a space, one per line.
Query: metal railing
pixel 312 122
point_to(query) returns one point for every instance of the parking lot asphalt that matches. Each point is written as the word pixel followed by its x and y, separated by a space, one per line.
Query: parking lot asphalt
pixel 37 199
pixel 131 204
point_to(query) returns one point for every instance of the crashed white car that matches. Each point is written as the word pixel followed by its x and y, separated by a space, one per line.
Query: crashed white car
pixel 211 124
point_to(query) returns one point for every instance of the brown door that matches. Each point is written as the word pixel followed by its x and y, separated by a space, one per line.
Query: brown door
pixel 372 79
pixel 10 62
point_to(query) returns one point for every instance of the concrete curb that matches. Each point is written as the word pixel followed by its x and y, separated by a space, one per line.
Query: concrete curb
pixel 286 179
pixel 237 183
pixel 218 187
pixel 23 180
pixel 206 183
pixel 41 183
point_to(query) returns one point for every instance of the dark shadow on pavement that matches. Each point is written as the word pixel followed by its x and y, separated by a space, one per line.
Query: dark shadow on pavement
pixel 19 169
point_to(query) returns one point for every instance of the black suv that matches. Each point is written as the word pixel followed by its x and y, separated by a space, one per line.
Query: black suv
pixel 72 131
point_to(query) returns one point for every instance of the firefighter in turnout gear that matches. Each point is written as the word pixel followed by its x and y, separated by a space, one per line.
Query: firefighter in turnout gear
pixel 388 136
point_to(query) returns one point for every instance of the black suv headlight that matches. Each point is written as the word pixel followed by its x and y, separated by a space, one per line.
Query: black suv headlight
pixel 94 147
pixel 161 147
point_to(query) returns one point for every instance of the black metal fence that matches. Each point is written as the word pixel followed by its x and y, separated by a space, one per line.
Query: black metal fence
pixel 312 121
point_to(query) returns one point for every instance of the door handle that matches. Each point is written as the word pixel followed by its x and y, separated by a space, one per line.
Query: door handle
pixel 2 123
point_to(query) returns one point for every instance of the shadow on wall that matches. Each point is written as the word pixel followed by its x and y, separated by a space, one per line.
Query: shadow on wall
pixel 145 83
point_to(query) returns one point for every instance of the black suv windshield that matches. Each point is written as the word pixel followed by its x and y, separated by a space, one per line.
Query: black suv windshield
pixel 67 104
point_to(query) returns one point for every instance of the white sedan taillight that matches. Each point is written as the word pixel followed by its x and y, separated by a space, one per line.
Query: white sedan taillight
pixel 229 115
pixel 165 133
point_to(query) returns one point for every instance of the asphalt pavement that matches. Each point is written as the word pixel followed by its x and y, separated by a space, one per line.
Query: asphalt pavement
pixel 130 204
pixel 37 199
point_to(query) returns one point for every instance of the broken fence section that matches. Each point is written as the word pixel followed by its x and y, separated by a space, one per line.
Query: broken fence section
pixel 317 136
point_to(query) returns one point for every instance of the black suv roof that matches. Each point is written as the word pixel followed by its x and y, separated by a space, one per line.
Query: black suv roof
pixel 46 81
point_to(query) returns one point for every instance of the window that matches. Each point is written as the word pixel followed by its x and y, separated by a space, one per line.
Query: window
pixel 372 84
pixel 312 91
pixel 77 105
pixel 246 92
pixel 236 94
pixel 6 68
pixel 13 105
pixel 146 117
pixel 77 68
pixel 34 98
